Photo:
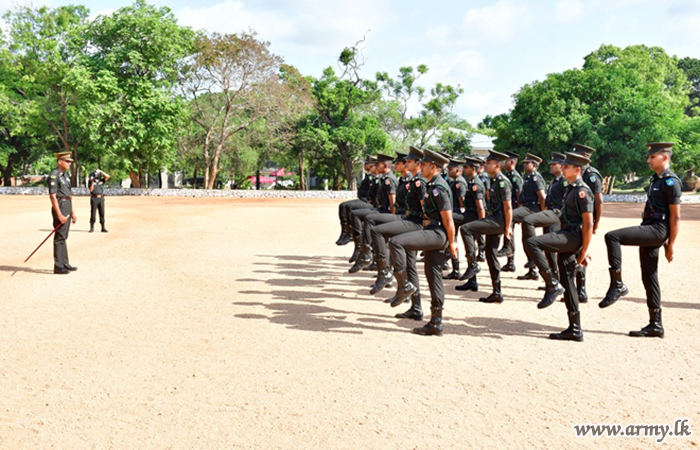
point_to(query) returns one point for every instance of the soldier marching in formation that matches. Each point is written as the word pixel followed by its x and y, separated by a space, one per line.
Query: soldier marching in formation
pixel 437 195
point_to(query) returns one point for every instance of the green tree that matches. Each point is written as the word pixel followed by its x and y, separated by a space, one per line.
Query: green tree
pixel 691 67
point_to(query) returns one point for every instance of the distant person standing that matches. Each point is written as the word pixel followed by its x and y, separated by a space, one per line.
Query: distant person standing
pixel 98 178
pixel 61 211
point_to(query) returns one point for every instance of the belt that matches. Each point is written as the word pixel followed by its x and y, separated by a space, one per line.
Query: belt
pixel 97 196
pixel 655 216
pixel 571 227
pixel 63 198
pixel 431 223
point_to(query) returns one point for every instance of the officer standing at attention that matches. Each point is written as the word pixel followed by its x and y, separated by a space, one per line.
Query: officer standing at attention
pixel 660 225
pixel 98 178
pixel 516 182
pixel 532 201
pixel 594 180
pixel 458 187
pixel 438 232
pixel 492 226
pixel 549 218
pixel 473 209
pixel 359 203
pixel 570 243
pixel 61 210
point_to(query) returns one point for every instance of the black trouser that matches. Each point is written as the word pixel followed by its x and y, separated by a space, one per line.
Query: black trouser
pixel 519 214
pixel 97 204
pixel 549 220
pixel 566 243
pixel 492 227
pixel 464 218
pixel 433 242
pixel 372 221
pixel 358 217
pixel 60 249
pixel 648 237
pixel 390 230
pixel 345 208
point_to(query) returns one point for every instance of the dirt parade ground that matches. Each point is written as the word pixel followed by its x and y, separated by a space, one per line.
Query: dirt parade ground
pixel 230 323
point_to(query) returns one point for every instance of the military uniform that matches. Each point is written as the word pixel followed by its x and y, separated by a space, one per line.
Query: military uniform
pixel 345 208
pixel 59 185
pixel 97 199
pixel 432 239
pixel 567 242
pixel 664 190
pixel 357 216
pixel 492 226
pixel 517 183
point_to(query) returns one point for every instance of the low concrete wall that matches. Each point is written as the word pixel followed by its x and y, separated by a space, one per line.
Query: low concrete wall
pixel 263 194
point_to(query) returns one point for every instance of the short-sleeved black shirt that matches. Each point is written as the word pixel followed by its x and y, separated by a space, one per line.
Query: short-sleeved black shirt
pixel 459 190
pixel 437 198
pixel 387 185
pixel 516 181
pixel 363 190
pixel 555 193
pixel 59 183
pixel 475 191
pixel 592 178
pixel 416 193
pixel 401 191
pixel 664 190
pixel 500 191
pixel 578 199
pixel 373 189
pixel 532 183
pixel 98 184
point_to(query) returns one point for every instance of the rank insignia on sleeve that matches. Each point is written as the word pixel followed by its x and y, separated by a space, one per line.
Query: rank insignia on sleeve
pixel 582 194
pixel 670 182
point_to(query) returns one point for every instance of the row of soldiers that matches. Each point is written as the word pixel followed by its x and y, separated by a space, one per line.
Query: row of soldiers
pixel 436 196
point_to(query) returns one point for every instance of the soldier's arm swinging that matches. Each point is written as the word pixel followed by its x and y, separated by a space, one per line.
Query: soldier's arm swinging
pixel 586 237
pixel 674 225
pixel 480 210
pixel 508 212
pixel 449 224
pixel 598 208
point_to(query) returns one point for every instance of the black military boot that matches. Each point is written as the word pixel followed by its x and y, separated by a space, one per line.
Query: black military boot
pixel 472 270
pixel 530 275
pixel 581 286
pixel 573 333
pixel 616 290
pixel 496 296
pixel 344 236
pixel 60 270
pixel 404 290
pixel 434 327
pixel 553 290
pixel 372 267
pixel 529 265
pixel 655 327
pixel 470 285
pixel 104 230
pixel 505 250
pixel 480 257
pixel 415 312
pixel 356 251
pixel 69 267
pixel 454 275
pixel 383 278
pixel 510 265
pixel 92 227
pixel 364 260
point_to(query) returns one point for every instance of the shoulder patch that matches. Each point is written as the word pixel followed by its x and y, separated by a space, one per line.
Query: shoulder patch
pixel 592 178
pixel 457 185
pixel 502 183
pixel 565 183
pixel 474 188
pixel 387 181
pixel 534 178
pixel 436 192
pixel 418 183
pixel 582 194
pixel 670 182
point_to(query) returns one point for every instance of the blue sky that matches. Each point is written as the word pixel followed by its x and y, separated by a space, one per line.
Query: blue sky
pixel 490 48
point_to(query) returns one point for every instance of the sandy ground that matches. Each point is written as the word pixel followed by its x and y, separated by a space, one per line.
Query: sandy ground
pixel 228 323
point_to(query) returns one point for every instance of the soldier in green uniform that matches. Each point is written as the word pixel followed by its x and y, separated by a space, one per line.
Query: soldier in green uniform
pixel 98 178
pixel 570 243
pixel 360 202
pixel 61 211
pixel 594 180
pixel 473 209
pixel 492 226
pixel 532 201
pixel 660 225
pixel 438 232
pixel 516 181
pixel 458 187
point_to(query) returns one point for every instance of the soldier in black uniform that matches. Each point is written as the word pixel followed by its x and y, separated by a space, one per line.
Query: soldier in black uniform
pixel 61 211
pixel 98 178
pixel 438 232
pixel 473 209
pixel 594 180
pixel 359 203
pixel 355 225
pixel 486 180
pixel 492 226
pixel 532 201
pixel 660 225
pixel 416 187
pixel 386 199
pixel 549 218
pixel 516 181
pixel 458 187
pixel 570 243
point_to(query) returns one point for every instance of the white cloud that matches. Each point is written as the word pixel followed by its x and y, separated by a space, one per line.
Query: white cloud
pixel 499 21
pixel 569 10
pixel 474 105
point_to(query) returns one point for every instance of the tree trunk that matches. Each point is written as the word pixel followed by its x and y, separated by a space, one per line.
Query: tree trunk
pixel 257 180
pixel 350 174
pixel 302 180
pixel 7 172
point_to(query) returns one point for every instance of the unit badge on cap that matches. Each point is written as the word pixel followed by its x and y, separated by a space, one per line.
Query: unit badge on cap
pixel 670 182
pixel 582 194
